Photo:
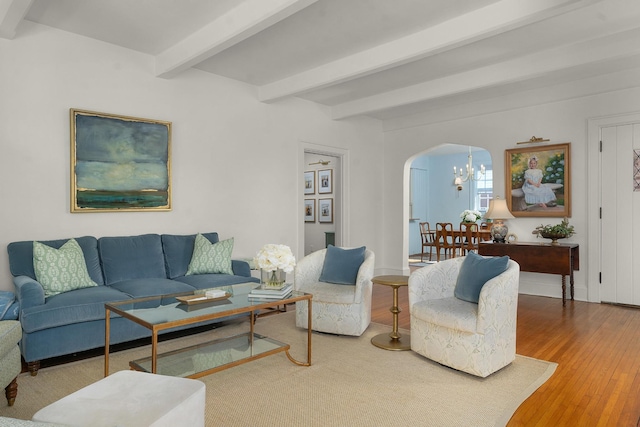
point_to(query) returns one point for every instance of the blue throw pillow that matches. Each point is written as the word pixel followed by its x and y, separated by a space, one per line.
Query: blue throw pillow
pixel 341 265
pixel 475 271
pixel 6 300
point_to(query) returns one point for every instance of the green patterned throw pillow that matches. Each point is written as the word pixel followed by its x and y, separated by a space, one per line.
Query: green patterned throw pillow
pixel 60 270
pixel 210 257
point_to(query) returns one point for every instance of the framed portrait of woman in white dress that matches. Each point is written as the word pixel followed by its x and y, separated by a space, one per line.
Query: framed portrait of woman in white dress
pixel 538 181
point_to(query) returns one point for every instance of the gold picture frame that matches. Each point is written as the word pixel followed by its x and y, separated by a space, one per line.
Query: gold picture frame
pixel 119 163
pixel 309 210
pixel 325 210
pixel 309 183
pixel 538 181
pixel 325 181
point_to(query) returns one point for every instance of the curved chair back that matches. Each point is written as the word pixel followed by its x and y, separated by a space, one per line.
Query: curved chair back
pixel 468 237
pixel 428 237
pixel 445 239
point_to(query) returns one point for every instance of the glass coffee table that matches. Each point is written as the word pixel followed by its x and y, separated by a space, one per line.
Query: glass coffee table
pixel 159 313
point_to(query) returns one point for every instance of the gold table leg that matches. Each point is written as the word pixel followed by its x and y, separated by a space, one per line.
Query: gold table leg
pixel 393 341
pixel 107 333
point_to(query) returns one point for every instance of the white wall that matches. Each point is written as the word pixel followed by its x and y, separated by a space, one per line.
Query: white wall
pixel 235 162
pixel 561 122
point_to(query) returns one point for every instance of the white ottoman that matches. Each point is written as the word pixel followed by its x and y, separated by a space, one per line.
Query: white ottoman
pixel 128 399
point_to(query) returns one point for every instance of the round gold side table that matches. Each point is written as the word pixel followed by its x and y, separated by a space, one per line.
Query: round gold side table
pixel 392 341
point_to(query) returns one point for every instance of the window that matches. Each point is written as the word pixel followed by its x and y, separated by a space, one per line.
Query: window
pixel 484 190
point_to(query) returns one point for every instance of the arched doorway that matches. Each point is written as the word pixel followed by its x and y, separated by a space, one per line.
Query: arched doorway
pixel 433 195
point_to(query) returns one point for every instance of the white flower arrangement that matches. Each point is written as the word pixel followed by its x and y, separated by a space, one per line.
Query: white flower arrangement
pixel 272 257
pixel 470 215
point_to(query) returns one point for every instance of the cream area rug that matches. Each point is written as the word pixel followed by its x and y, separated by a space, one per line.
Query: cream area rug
pixel 350 383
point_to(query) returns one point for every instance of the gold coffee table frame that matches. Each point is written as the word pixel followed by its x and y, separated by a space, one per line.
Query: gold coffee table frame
pixel 392 341
pixel 259 346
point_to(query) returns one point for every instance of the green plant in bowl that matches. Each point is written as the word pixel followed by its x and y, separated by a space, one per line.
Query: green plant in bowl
pixel 555 232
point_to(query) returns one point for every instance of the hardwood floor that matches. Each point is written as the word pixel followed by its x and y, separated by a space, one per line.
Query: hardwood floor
pixel 596 346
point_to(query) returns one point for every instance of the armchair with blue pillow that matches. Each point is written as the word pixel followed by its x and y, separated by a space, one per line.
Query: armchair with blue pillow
pixel 463 312
pixel 10 335
pixel 340 281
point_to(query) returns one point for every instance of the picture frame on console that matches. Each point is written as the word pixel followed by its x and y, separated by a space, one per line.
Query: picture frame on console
pixel 119 163
pixel 325 210
pixel 309 210
pixel 538 181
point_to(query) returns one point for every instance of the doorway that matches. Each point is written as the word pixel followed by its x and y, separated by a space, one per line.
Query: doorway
pixel 434 196
pixel 322 201
pixel 620 208
pixel 327 166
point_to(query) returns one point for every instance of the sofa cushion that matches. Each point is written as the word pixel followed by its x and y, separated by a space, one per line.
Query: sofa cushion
pixel 206 281
pixel 12 312
pixel 80 305
pixel 60 270
pixel 21 256
pixel 139 288
pixel 450 313
pixel 330 292
pixel 132 257
pixel 475 271
pixel 178 250
pixel 6 300
pixel 210 257
pixel 341 265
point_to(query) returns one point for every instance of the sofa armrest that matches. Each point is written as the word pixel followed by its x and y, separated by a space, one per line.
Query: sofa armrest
pixel 435 281
pixel 308 269
pixel 240 268
pixel 498 302
pixel 365 274
pixel 29 292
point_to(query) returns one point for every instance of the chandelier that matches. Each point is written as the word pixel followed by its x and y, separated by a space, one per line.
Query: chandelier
pixel 469 175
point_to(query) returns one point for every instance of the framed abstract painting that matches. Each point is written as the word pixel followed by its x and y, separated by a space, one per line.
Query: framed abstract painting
pixel 119 163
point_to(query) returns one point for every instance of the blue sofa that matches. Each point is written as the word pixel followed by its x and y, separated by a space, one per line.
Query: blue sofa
pixel 124 268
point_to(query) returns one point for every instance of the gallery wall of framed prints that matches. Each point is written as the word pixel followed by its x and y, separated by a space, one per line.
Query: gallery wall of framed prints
pixel 318 184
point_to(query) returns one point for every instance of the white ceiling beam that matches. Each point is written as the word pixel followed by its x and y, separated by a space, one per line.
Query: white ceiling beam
pixel 625 44
pixel 493 19
pixel 240 23
pixel 12 12
pixel 616 81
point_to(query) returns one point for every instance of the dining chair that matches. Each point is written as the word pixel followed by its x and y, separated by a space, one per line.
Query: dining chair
pixel 468 240
pixel 428 237
pixel 445 239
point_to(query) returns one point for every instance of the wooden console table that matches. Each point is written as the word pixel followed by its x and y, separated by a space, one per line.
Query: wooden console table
pixel 562 258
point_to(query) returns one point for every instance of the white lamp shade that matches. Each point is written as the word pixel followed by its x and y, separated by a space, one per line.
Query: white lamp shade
pixel 498 209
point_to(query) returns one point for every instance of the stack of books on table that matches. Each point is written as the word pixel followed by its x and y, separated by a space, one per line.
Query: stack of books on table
pixel 266 293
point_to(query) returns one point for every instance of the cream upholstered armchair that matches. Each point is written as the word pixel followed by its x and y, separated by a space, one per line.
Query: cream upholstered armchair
pixel 336 308
pixel 10 362
pixel 477 338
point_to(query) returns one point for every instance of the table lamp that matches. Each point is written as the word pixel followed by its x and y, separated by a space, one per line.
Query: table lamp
pixel 498 211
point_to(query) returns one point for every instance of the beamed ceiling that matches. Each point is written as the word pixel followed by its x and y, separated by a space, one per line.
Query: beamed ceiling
pixel 401 61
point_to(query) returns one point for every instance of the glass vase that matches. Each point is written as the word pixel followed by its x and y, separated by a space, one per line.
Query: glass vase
pixel 273 279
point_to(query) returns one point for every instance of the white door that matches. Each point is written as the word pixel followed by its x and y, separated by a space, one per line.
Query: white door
pixel 620 223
